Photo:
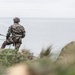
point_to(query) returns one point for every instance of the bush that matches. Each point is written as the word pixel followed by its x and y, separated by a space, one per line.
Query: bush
pixel 9 57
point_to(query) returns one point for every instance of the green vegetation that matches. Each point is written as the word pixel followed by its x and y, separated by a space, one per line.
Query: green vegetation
pixel 43 64
pixel 9 57
pixel 46 53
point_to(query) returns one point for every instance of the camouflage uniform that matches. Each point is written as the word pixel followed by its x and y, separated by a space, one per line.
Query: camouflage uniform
pixel 18 32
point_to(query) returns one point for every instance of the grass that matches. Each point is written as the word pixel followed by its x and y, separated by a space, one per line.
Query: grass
pixel 43 64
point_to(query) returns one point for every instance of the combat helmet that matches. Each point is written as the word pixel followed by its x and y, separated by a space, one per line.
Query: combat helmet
pixel 16 20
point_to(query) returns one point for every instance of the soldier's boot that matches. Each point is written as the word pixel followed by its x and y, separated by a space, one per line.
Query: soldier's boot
pixel 4 45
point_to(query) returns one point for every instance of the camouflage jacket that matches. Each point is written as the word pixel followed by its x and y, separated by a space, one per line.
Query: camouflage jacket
pixel 16 31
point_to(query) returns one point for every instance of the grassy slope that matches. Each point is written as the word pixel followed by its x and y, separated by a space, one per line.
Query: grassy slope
pixel 42 65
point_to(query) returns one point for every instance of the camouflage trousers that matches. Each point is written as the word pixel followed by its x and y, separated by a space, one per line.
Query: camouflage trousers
pixel 10 41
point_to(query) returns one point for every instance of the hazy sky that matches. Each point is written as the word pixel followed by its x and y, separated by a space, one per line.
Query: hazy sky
pixel 38 8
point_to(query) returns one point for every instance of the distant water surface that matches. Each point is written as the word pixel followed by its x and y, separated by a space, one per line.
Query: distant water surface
pixel 41 33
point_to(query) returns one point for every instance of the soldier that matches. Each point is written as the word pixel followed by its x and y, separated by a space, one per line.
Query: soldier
pixel 14 35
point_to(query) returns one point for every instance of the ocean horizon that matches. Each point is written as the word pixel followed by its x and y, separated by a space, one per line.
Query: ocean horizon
pixel 43 32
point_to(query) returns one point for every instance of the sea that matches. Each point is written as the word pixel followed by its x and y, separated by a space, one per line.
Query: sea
pixel 42 33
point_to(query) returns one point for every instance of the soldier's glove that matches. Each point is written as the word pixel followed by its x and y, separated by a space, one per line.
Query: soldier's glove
pixel 7 37
pixel 23 35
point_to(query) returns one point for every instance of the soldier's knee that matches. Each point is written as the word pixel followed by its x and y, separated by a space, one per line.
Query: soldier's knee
pixel 17 46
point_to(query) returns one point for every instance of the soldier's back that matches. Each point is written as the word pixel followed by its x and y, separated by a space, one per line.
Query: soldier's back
pixel 17 29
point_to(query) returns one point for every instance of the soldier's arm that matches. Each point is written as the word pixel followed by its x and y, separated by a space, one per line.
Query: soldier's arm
pixel 8 33
pixel 23 32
